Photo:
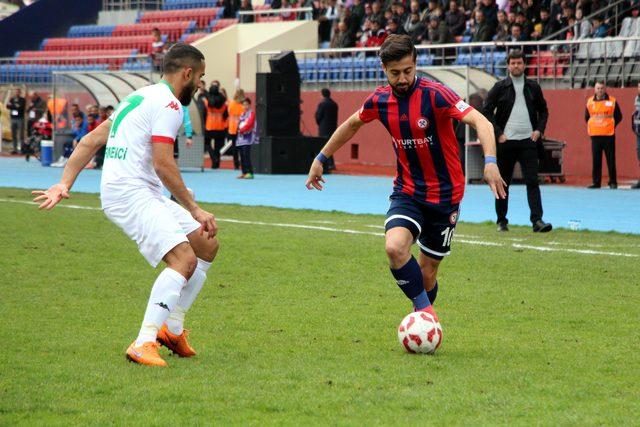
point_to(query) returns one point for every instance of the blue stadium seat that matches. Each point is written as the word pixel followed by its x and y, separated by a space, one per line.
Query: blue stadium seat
pixel 463 59
pixel 346 69
pixel 372 65
pixel 359 69
pixel 323 69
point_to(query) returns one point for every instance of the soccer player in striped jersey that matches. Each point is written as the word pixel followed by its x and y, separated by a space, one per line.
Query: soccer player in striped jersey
pixel 429 182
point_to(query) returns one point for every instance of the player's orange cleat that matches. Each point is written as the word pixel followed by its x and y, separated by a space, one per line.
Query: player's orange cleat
pixel 431 311
pixel 146 354
pixel 176 343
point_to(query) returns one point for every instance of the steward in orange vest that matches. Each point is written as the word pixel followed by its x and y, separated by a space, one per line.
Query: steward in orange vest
pixel 602 115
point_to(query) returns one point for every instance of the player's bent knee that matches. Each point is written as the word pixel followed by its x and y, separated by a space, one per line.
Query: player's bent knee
pixel 183 259
pixel 210 250
pixel 396 251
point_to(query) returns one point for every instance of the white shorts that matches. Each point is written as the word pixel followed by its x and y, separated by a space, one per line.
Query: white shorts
pixel 153 221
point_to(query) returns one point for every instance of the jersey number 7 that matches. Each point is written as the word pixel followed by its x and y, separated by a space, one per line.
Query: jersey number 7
pixel 128 105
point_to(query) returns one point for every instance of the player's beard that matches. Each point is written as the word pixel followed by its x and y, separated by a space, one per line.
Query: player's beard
pixel 187 92
pixel 400 89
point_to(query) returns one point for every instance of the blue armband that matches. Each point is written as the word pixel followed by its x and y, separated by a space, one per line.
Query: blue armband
pixel 322 158
pixel 490 159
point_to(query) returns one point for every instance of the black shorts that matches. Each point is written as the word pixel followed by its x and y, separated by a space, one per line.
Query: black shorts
pixel 432 226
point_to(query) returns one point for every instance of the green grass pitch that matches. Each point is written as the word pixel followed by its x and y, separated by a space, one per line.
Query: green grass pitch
pixel 297 325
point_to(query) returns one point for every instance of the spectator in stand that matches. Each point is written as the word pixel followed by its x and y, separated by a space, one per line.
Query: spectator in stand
pixel 581 30
pixel 549 26
pixel 235 111
pixel 394 27
pixel 568 14
pixel 415 28
pixel 378 35
pixel 438 33
pixel 414 7
pixel 246 6
pixel 16 106
pixel 325 23
pixel 455 19
pixel 511 18
pixel 490 11
pixel 345 37
pixel 357 11
pixel 527 27
pixel 36 109
pixel 433 9
pixel 388 14
pixel 352 22
pixel 483 31
pixel 555 10
pixel 216 124
pixel 503 28
pixel 600 28
pixel 531 11
pixel 401 13
pixel 516 34
pixel 364 34
pixel 368 13
pixel 92 122
pixel 247 136
pixel 376 11
pixel 156 53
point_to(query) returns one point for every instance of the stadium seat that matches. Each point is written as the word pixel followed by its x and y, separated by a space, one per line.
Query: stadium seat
pixel 174 30
pixel 202 16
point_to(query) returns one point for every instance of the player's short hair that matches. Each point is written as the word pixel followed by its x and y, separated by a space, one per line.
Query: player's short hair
pixel 325 92
pixel 396 47
pixel 515 54
pixel 181 56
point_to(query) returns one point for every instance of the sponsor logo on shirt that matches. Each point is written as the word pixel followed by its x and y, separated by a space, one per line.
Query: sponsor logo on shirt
pixel 173 105
pixel 462 106
pixel 411 144
pixel 422 123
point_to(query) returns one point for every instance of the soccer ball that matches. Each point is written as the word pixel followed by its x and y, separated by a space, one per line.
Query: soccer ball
pixel 419 332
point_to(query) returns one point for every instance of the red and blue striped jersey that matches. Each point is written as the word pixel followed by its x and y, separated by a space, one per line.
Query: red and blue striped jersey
pixel 421 129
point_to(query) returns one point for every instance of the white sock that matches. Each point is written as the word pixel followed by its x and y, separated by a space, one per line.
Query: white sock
pixel 175 321
pixel 164 297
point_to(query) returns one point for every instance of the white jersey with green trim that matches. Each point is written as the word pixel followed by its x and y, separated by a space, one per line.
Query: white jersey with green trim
pixel 149 115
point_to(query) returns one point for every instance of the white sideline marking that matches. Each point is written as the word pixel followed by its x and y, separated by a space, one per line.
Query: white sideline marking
pixel 322 222
pixel 371 233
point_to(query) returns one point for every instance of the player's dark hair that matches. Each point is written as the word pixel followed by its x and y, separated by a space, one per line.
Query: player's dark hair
pixel 325 92
pixel 396 47
pixel 515 54
pixel 181 56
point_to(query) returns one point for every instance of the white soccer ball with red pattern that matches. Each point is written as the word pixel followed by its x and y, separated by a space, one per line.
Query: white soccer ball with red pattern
pixel 419 332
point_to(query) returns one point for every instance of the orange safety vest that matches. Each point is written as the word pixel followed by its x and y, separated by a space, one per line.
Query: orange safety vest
pixel 601 121
pixel 215 117
pixel 57 107
pixel 235 111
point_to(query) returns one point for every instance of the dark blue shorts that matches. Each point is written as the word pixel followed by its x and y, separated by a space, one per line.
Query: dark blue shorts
pixel 432 226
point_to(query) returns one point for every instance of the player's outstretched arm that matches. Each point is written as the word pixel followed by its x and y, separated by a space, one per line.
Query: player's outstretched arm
pixel 82 154
pixel 167 170
pixel 484 128
pixel 341 136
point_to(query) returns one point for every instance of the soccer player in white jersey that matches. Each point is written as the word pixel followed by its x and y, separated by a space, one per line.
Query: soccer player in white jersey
pixel 139 159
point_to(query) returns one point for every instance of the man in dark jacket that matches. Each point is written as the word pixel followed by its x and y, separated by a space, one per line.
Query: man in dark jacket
pixel 455 19
pixel 518 111
pixel 36 109
pixel 484 31
pixel 16 110
pixel 327 120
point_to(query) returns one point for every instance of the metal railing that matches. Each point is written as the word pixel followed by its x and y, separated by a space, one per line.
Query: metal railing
pixel 554 63
pixel 110 5
pixel 299 13
pixel 616 4
pixel 39 70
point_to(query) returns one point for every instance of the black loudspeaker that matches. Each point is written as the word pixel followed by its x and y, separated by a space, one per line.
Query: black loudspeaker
pixel 284 63
pixel 285 155
pixel 278 104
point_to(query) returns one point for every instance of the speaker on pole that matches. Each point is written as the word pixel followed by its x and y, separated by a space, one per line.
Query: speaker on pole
pixel 278 104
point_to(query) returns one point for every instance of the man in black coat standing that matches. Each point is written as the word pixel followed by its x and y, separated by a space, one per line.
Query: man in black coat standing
pixel 16 107
pixel 327 121
pixel 518 111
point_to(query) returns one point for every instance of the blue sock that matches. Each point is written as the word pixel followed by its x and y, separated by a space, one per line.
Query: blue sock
pixel 433 293
pixel 409 279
